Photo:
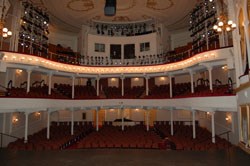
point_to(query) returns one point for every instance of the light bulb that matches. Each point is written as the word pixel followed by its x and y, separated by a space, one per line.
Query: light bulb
pixel 5 35
pixel 9 33
pixel 215 27
pixel 233 25
pixel 219 30
pixel 220 24
pixel 230 22
pixel 228 29
pixel 5 30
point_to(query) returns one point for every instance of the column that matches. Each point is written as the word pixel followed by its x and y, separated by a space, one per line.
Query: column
pixel 170 87
pixel 147 89
pixel 97 86
pixel 28 80
pixel 48 124
pixel 193 121
pixel 73 87
pixel 192 81
pixel 171 122
pixel 122 79
pixel 72 122
pixel 147 113
pixel 97 120
pixel 4 123
pixel 26 127
pixel 210 78
pixel 50 77
pixel 213 127
pixel 122 111
pixel 10 123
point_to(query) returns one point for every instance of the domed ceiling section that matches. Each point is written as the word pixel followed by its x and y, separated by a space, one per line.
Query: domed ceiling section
pixel 75 13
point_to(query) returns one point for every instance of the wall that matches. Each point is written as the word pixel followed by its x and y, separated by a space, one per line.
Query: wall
pixel 65 115
pixel 137 82
pixel 92 39
pixel 36 122
pixel 66 39
pixel 180 39
pixel 113 82
pixel 161 81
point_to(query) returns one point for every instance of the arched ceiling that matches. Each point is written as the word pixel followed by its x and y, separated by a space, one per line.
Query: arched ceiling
pixel 72 14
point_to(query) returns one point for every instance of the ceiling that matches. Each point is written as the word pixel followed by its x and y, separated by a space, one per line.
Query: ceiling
pixel 70 15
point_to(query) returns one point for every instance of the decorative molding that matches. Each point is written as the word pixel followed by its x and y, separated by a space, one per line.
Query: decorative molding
pixel 86 5
pixel 121 19
pixel 152 4
pixel 132 4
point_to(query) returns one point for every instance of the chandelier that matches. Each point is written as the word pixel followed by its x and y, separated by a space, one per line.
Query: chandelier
pixel 4 32
pixel 224 24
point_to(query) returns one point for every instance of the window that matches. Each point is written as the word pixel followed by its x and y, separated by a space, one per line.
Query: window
pixel 99 47
pixel 145 46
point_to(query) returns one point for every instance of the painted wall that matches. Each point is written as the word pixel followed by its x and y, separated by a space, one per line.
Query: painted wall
pixel 66 39
pixel 92 39
pixel 137 82
pixel 161 80
pixel 180 38
pixel 113 82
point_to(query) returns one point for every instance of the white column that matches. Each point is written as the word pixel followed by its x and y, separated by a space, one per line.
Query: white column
pixel 48 124
pixel 171 122
pixel 97 120
pixel 148 111
pixel 192 81
pixel 122 79
pixel 147 89
pixel 210 78
pixel 26 127
pixel 122 111
pixel 97 86
pixel 73 87
pixel 193 121
pixel 72 122
pixel 170 87
pixel 28 80
pixel 10 123
pixel 4 123
pixel 50 77
pixel 213 127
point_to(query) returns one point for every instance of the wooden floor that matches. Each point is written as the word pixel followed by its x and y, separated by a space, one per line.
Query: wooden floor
pixel 124 157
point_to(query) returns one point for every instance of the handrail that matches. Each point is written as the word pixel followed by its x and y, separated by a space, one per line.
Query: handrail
pixel 3 134
pixel 227 132
pixel 3 87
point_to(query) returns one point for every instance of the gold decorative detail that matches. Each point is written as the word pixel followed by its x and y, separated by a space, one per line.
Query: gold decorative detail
pixel 146 17
pixel 96 18
pixel 127 8
pixel 121 19
pixel 86 5
pixel 152 4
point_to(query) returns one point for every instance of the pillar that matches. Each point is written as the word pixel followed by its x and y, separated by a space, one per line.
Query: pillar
pixel 97 86
pixel 210 78
pixel 48 124
pixel 170 87
pixel 213 127
pixel 72 122
pixel 193 122
pixel 73 87
pixel 28 80
pixel 122 79
pixel 171 122
pixel 147 89
pixel 50 77
pixel 192 81
pixel 26 127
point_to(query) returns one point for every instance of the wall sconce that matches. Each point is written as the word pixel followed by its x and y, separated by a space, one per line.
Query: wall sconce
pixel 136 79
pixel 224 67
pixel 228 118
pixel 113 79
pixel 15 120
pixel 37 114
pixel 162 78
pixel 208 113
pixel 19 71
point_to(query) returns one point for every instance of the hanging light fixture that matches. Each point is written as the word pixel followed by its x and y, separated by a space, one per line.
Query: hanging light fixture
pixel 224 24
pixel 4 32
